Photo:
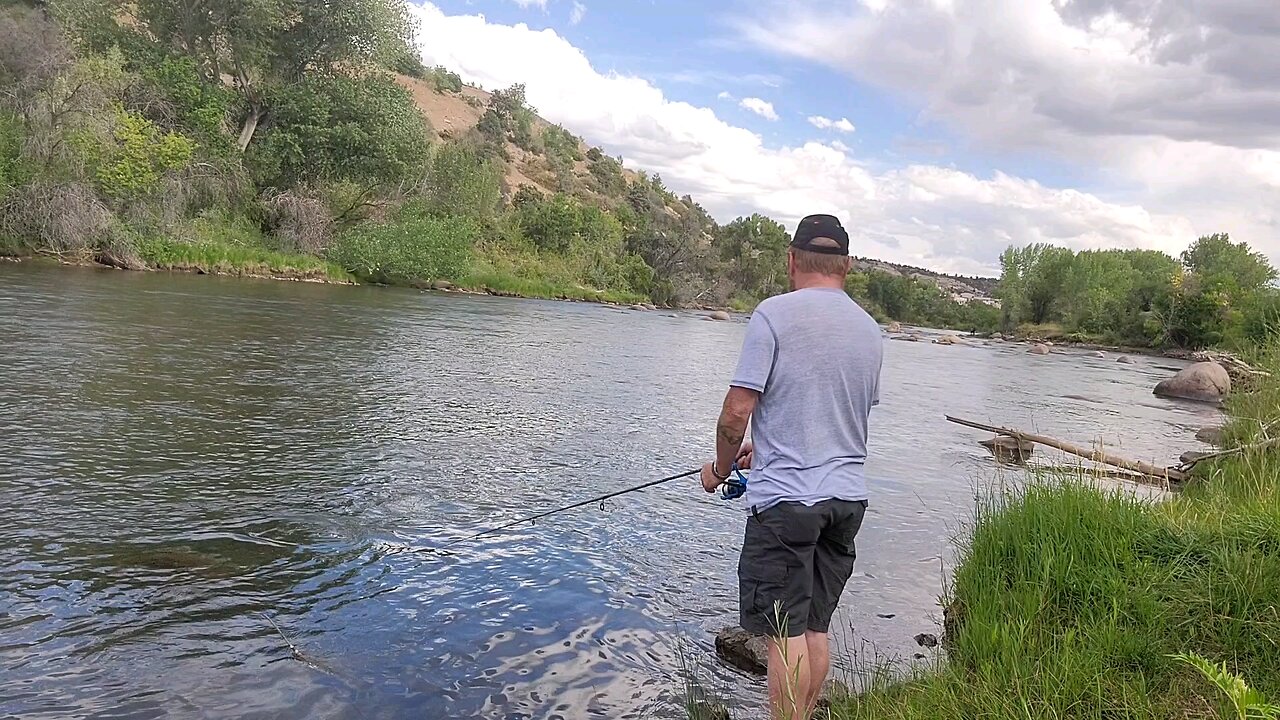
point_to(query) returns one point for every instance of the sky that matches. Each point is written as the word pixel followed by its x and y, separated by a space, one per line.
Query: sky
pixel 939 131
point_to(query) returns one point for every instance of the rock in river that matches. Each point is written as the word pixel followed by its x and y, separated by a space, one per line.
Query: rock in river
pixel 1007 449
pixel 1039 349
pixel 742 650
pixel 894 327
pixel 1203 381
pixel 719 315
pixel 1125 359
pixel 1210 436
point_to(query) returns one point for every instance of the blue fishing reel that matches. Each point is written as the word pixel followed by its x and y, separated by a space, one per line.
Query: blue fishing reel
pixel 734 487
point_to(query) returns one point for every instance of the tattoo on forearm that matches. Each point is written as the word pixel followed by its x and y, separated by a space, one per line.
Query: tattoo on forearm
pixel 730 434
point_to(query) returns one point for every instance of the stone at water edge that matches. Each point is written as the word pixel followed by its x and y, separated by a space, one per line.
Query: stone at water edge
pixel 1210 436
pixel 906 338
pixel 742 650
pixel 927 640
pixel 948 340
pixel 894 327
pixel 720 315
pixel 997 336
pixel 1099 354
pixel 1125 360
pixel 1192 456
pixel 1203 381
pixel 1039 349
pixel 441 285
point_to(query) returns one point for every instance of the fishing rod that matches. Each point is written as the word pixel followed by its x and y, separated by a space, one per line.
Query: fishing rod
pixel 732 488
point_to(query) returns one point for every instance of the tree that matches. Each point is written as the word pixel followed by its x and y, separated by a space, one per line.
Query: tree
pixel 1031 281
pixel 339 128
pixel 462 181
pixel 1227 267
pixel 267 45
pixel 755 249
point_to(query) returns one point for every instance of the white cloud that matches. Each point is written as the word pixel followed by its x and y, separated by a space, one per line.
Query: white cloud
pixel 578 12
pixel 724 95
pixel 841 146
pixel 1169 103
pixel 763 108
pixel 921 214
pixel 541 4
pixel 826 123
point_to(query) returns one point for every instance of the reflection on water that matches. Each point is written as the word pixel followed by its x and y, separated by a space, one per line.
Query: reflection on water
pixel 185 454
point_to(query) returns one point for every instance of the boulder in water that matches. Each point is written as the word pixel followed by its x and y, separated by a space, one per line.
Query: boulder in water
pixel 894 327
pixel 719 315
pixel 906 338
pixel 1203 381
pixel 1099 354
pixel 997 336
pixel 1125 360
pixel 947 340
pixel 1009 450
pixel 1192 456
pixel 1039 349
pixel 742 650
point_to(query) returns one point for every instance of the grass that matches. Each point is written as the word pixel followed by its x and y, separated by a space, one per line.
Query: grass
pixel 228 258
pixel 534 287
pixel 10 247
pixel 1075 602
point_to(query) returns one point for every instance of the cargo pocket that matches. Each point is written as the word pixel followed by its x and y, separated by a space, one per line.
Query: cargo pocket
pixel 763 594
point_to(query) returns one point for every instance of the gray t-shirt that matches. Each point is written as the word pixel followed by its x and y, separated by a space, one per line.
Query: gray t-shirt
pixel 814 355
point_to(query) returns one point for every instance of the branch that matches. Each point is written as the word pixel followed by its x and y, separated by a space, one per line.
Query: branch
pixel 1170 474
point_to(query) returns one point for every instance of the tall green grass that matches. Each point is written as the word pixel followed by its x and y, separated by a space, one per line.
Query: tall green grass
pixel 1073 602
pixel 225 258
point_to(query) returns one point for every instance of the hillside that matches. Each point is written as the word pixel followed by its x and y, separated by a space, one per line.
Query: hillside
pixel 455 109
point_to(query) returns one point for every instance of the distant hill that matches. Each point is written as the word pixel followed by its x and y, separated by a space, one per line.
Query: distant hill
pixel 454 109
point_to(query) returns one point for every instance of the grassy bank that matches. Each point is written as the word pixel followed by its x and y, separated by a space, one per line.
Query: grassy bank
pixel 222 258
pixel 1070 602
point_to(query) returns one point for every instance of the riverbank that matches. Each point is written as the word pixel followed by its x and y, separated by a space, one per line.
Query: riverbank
pixel 250 262
pixel 1071 601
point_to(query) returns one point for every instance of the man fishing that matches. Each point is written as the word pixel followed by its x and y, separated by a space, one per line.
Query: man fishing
pixel 807 377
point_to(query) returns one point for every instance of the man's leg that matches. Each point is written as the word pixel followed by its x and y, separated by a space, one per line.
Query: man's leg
pixel 789 678
pixel 819 652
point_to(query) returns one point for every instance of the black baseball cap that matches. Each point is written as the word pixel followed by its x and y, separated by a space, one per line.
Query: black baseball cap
pixel 821 234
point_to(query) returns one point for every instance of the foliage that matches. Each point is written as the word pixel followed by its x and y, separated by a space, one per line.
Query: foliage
pixel 1246 701
pixel 444 80
pixel 512 115
pixel 141 155
pixel 461 181
pixel 412 247
pixel 224 258
pixel 364 130
pixel 755 251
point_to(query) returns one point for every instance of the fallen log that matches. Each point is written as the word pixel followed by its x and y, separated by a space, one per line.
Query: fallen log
pixel 1169 474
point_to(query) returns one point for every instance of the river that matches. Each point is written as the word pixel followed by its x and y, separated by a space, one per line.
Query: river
pixel 186 456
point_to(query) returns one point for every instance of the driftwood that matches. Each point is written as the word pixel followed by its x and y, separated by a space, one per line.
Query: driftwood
pixel 1170 474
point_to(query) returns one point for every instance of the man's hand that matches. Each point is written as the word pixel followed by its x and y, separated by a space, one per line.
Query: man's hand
pixel 745 454
pixel 709 480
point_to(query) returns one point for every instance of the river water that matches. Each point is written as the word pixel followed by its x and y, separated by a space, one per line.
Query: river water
pixel 184 457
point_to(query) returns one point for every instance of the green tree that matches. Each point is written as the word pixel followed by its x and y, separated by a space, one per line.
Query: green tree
pixel 462 181
pixel 1031 281
pixel 755 250
pixel 338 128
pixel 1233 269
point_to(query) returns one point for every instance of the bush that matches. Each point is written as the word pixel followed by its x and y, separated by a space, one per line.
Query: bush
pixel 461 181
pixel 443 80
pixel 300 222
pixel 61 217
pixel 414 247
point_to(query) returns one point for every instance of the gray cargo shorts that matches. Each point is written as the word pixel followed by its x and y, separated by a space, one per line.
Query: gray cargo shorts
pixel 796 560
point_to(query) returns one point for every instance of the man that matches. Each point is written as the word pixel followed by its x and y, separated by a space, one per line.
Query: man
pixel 806 380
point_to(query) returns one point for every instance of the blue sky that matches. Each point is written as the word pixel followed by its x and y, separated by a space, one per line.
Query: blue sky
pixel 977 123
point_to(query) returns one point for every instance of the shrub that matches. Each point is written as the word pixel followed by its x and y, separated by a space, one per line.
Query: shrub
pixel 300 222
pixel 461 181
pixel 61 217
pixel 413 247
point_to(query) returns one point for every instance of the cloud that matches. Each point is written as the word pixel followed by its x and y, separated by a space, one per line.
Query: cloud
pixel 841 146
pixel 824 123
pixel 541 4
pixel 919 214
pixel 763 108
pixel 724 95
pixel 578 12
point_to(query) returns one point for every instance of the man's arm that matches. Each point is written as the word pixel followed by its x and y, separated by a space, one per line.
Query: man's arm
pixel 739 403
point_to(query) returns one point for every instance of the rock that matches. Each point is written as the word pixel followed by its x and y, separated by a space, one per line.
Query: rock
pixel 720 315
pixel 906 338
pixel 706 710
pixel 948 340
pixel 1099 354
pixel 927 640
pixel 1007 449
pixel 997 336
pixel 833 691
pixel 1210 435
pixel 920 656
pixel 1125 359
pixel 674 315
pixel 742 650
pixel 441 285
pixel 886 616
pixel 1191 456
pixel 894 327
pixel 638 306
pixel 1039 349
pixel 1204 381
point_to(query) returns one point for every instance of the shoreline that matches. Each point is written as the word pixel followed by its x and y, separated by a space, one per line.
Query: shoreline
pixel 317 277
